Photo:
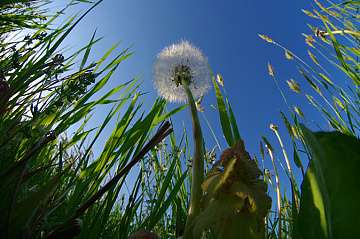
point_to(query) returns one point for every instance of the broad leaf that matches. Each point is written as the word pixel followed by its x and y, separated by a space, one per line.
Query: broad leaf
pixel 235 201
pixel 331 188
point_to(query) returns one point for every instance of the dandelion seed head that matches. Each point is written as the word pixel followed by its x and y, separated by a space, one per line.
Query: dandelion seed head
pixel 178 61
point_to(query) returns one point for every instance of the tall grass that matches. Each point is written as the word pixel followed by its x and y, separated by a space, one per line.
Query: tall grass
pixel 333 74
pixel 53 186
pixel 46 177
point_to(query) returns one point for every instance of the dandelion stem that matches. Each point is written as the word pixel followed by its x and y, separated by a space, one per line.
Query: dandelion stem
pixel 198 164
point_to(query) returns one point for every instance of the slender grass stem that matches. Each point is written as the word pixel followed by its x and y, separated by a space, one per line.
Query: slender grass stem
pixel 277 190
pixel 212 131
pixel 198 164
pixel 341 32
pixel 275 129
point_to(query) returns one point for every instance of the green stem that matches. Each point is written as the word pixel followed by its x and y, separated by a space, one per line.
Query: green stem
pixel 342 32
pixel 198 165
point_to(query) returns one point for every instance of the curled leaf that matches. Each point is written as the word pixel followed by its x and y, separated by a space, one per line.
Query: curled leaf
pixel 235 201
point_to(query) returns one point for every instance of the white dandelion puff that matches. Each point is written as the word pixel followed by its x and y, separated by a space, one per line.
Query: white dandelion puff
pixel 177 61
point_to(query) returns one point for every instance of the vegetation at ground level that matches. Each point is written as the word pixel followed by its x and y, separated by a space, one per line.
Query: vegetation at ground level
pixel 52 186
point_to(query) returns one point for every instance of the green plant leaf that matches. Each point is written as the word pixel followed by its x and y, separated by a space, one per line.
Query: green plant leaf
pixel 297 158
pixel 235 201
pixel 331 187
pixel 162 193
pixel 169 200
pixel 295 216
pixel 23 211
pixel 224 117
pixel 233 123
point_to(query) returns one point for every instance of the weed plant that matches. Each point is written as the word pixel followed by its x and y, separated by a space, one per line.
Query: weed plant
pixel 52 186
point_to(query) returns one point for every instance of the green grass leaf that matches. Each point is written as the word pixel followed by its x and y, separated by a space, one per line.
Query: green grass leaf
pixel 23 211
pixel 224 117
pixel 331 187
pixel 169 200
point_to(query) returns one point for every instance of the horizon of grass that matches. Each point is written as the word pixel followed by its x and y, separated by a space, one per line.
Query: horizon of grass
pixel 51 175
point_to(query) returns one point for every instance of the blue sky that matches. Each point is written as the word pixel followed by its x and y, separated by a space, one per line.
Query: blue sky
pixel 227 33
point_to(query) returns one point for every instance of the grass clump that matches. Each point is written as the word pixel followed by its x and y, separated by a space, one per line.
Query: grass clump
pixel 46 177
pixel 53 186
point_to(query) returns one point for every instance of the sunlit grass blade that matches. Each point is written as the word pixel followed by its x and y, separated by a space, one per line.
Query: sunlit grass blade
pixel 86 54
pixel 224 117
